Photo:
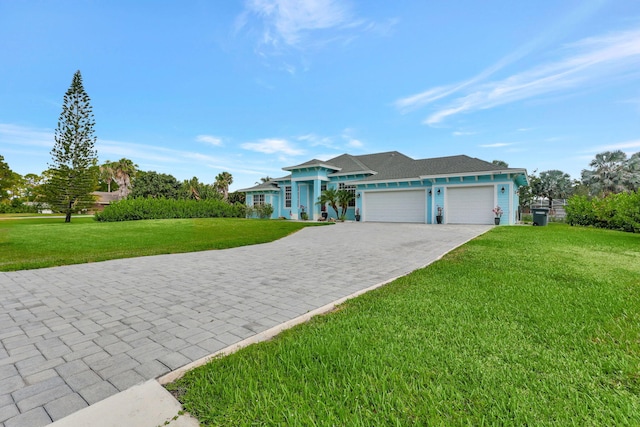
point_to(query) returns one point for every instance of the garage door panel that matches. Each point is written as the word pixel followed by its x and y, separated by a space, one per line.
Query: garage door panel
pixel 470 205
pixel 394 206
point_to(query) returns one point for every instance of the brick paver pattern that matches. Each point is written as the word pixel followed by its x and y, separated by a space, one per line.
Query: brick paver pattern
pixel 74 335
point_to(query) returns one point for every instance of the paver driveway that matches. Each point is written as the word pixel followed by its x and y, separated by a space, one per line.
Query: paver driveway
pixel 74 335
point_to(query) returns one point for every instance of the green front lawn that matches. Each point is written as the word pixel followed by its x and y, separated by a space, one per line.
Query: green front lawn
pixel 521 326
pixel 46 242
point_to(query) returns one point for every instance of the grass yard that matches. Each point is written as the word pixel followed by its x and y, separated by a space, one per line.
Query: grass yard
pixel 522 326
pixel 46 242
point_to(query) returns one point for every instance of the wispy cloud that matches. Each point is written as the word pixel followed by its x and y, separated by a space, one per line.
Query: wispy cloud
pixel 345 140
pixel 461 133
pixel 592 61
pixel 11 134
pixel 350 140
pixel 626 146
pixel 273 146
pixel 291 23
pixel 355 143
pixel 412 102
pixel 317 140
pixel 497 145
pixel 210 139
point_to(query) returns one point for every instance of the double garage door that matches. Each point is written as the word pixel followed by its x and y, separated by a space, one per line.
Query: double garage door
pixel 463 205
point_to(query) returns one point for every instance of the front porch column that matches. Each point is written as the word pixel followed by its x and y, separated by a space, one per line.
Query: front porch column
pixel 317 185
pixel 295 203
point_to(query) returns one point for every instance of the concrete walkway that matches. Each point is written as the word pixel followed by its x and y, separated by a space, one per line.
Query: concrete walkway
pixel 72 336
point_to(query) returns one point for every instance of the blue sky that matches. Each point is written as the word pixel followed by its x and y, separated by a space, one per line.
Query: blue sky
pixel 194 88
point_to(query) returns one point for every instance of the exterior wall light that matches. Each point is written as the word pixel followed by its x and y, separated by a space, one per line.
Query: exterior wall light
pixel 502 190
pixel 438 191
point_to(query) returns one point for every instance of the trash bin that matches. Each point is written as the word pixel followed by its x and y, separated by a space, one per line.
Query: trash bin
pixel 540 216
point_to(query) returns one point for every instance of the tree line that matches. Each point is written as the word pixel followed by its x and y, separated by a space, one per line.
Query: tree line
pixel 610 172
pixel 70 183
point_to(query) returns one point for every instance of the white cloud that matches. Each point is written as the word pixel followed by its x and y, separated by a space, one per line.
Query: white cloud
pixel 355 143
pixel 350 140
pixel 272 146
pixel 317 140
pixel 289 23
pixel 21 135
pixel 461 133
pixel 210 139
pixel 430 95
pixel 287 20
pixel 591 61
pixel 627 147
pixel 497 145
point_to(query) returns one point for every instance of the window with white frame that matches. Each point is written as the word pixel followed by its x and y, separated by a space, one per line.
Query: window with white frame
pixel 287 196
pixel 351 189
pixel 258 199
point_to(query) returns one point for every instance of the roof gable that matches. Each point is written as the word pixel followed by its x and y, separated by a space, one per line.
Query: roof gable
pixel 369 163
pixel 310 164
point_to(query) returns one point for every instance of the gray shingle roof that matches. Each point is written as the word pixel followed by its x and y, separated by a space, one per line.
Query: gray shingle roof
pixel 436 166
pixel 377 162
pixel 263 186
pixel 457 164
pixel 393 165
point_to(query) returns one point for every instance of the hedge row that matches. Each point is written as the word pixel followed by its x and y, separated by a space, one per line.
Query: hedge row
pixel 616 211
pixel 140 208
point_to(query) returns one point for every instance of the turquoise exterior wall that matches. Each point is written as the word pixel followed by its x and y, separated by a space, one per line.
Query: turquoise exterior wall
pixel 438 201
pixel 504 201
pixel 271 198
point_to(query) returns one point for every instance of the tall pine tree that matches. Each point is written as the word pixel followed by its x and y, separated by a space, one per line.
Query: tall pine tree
pixel 74 167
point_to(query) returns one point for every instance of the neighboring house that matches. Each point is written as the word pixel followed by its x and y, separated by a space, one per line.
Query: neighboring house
pixel 104 199
pixel 391 187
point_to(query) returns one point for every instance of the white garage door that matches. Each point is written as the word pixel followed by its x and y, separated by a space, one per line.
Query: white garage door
pixel 394 206
pixel 469 205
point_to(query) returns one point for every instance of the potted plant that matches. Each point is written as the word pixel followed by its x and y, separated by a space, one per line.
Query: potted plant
pixel 357 214
pixel 303 215
pixel 497 211
pixel 439 215
pixel 323 212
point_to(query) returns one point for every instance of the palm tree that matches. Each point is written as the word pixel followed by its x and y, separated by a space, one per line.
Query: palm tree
pixel 106 174
pixel 344 198
pixel 123 171
pixel 223 181
pixel 632 180
pixel 194 189
pixel 191 188
pixel 329 197
pixel 265 179
pixel 553 184
pixel 608 173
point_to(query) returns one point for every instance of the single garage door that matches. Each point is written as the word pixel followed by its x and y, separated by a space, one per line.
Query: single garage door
pixel 469 205
pixel 394 206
